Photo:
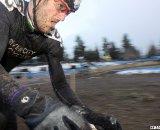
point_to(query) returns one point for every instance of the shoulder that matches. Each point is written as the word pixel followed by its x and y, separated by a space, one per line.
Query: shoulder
pixel 12 4
pixel 54 35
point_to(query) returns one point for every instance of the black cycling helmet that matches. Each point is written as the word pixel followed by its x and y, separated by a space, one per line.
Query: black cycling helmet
pixel 73 4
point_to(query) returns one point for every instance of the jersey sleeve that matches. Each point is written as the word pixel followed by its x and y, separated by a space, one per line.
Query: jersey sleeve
pixel 4 30
pixel 59 83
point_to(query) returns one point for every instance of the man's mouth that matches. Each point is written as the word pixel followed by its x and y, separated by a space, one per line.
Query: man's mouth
pixel 54 22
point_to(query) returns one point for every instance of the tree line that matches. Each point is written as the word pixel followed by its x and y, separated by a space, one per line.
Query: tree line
pixel 109 52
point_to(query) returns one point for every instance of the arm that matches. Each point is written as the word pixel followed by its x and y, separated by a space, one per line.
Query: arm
pixel 60 85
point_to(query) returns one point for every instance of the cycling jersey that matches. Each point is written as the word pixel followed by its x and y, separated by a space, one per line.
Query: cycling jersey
pixel 19 42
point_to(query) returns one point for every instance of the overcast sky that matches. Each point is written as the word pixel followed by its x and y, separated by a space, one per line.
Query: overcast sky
pixel 95 19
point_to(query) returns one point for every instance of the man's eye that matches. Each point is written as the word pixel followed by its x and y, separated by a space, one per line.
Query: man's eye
pixel 60 7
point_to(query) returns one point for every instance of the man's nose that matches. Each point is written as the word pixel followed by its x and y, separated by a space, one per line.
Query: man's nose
pixel 61 16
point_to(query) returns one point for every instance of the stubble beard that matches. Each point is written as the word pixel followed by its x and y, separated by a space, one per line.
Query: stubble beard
pixel 42 20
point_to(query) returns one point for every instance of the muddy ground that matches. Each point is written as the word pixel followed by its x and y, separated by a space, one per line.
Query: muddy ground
pixel 133 99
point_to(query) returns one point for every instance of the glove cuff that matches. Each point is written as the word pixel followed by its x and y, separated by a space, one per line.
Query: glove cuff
pixel 79 109
pixel 98 119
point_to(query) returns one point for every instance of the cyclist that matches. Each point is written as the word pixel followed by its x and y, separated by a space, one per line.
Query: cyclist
pixel 27 29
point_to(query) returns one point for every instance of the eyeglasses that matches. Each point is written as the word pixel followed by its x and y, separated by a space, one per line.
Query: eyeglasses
pixel 61 6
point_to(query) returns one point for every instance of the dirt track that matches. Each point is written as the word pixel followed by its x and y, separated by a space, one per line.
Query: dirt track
pixel 133 99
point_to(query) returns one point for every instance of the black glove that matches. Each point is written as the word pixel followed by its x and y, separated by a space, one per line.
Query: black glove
pixel 65 123
pixel 101 121
pixel 55 116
